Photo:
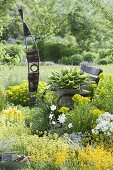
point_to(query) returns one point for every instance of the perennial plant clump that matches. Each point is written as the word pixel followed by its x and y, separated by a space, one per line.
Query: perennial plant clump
pixel 46 150
pixel 103 95
pixel 19 94
pixel 78 99
pixel 104 125
pixel 97 158
pixel 12 115
pixel 81 115
pixel 58 122
pixel 67 79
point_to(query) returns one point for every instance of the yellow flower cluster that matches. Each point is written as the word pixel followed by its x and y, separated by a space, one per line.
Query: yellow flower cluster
pixel 13 115
pixel 42 86
pixel 80 99
pixel 19 94
pixel 63 110
pixel 45 150
pixel 97 157
pixel 96 112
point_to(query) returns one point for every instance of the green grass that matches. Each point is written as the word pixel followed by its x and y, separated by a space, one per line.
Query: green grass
pixel 19 73
pixel 108 69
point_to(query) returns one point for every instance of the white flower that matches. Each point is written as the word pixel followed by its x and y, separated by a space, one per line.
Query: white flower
pixel 70 125
pixel 62 118
pixel 111 129
pixel 108 134
pixel 53 122
pixel 104 129
pixel 111 117
pixel 95 131
pixel 104 124
pixel 51 116
pixel 53 107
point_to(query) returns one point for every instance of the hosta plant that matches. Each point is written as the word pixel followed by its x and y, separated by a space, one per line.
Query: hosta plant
pixel 67 79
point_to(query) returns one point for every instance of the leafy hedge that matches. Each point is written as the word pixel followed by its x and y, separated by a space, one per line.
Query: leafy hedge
pixel 56 47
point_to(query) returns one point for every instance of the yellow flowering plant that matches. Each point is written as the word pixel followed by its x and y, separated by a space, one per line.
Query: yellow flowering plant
pixel 13 115
pixel 46 150
pixel 81 116
pixel 19 94
pixel 78 99
pixel 103 96
pixel 98 158
pixel 64 110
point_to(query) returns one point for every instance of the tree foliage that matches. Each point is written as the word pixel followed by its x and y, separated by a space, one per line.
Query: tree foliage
pixel 5 8
pixel 89 21
pixel 47 17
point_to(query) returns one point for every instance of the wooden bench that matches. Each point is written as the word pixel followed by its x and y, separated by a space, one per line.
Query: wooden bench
pixel 65 96
pixel 93 74
pixel 85 90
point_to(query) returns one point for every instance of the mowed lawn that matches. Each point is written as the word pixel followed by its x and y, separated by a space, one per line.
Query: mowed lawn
pixel 17 74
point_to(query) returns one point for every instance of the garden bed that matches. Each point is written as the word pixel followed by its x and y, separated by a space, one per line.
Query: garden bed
pixel 55 136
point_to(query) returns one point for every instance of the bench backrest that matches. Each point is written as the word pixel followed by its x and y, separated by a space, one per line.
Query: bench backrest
pixel 93 76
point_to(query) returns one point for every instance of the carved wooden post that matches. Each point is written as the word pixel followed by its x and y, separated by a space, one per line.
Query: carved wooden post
pixel 33 64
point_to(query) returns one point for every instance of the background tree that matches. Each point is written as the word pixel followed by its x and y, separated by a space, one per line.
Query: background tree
pixel 5 7
pixel 89 26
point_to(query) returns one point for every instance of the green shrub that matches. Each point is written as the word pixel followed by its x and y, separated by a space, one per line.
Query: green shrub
pixel 103 96
pixel 89 56
pixel 104 61
pixel 19 42
pixel 104 56
pixel 65 60
pixel 72 60
pixel 2 51
pixel 19 94
pixel 103 53
pixel 56 47
pixel 13 54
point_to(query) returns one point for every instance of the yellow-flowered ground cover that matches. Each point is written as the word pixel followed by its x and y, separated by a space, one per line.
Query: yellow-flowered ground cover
pixel 53 150
pixel 97 157
pixel 50 149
